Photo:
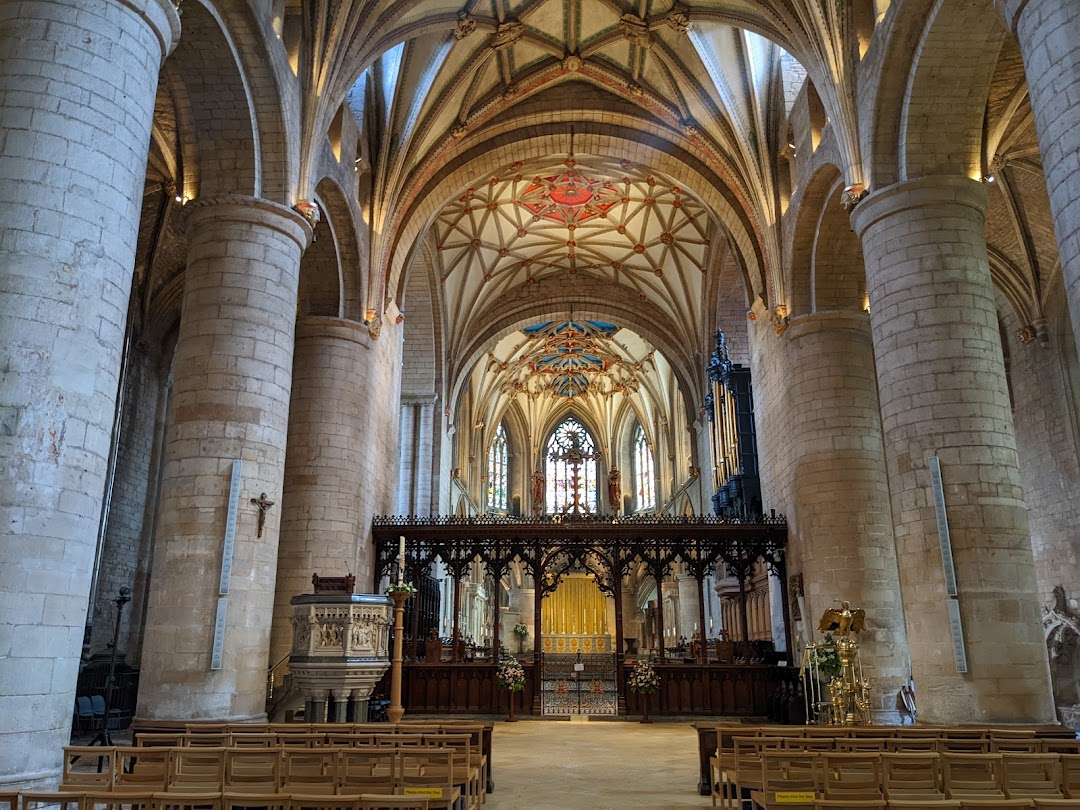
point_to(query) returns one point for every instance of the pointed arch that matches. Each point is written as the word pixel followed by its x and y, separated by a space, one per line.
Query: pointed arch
pixel 571 487
pixel 498 471
pixel 644 471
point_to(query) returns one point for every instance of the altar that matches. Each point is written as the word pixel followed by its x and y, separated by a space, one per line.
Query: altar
pixel 576 617
pixel 576 644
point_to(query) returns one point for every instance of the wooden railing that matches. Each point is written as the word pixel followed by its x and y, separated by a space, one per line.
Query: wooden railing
pixel 735 690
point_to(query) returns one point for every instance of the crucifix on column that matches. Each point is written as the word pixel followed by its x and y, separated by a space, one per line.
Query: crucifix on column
pixel 264 506
pixel 575 456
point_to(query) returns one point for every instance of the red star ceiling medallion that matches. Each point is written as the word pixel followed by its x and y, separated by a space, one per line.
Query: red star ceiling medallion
pixel 569 197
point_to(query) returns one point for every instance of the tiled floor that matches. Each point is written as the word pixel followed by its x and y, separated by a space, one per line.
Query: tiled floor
pixel 544 765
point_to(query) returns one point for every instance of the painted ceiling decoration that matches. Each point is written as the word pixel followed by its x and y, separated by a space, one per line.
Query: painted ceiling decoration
pixel 570 359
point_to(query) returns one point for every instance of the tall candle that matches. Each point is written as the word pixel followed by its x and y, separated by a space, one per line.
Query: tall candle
pixel 401 559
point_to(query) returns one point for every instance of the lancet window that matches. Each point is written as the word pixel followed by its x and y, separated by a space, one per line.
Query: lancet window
pixel 499 470
pixel 571 469
pixel 644 471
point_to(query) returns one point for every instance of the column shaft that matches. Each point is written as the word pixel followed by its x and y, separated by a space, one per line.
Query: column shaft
pixel 840 490
pixel 321 529
pixel 1049 36
pixel 942 387
pixel 77 88
pixel 232 375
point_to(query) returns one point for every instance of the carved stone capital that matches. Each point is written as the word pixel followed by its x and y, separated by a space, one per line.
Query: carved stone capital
pixel 506 35
pixel 465 25
pixel 780 320
pixel 636 30
pixel 852 196
pixel 679 18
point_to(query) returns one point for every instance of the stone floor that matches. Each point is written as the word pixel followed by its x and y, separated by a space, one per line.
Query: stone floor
pixel 549 765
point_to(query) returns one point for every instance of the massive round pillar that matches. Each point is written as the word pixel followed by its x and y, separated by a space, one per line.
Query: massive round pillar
pixel 232 376
pixel 77 88
pixel 322 509
pixel 840 490
pixel 941 380
pixel 1049 36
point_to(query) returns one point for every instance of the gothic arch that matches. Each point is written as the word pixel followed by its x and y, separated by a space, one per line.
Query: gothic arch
pixel 220 145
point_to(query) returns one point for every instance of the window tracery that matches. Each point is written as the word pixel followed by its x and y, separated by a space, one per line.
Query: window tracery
pixel 499 470
pixel 644 471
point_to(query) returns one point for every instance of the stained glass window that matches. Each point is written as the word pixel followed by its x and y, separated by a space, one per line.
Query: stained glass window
pixel 644 473
pixel 571 469
pixel 498 470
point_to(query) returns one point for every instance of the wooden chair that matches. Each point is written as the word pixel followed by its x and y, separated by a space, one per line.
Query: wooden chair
pixel 427 772
pixel 260 739
pixel 467 771
pixel 1070 775
pixel 972 776
pixel 912 745
pixel 179 800
pixel 479 735
pixel 810 745
pixel 368 770
pixel 924 804
pixel 855 776
pixel 1019 745
pixel 1030 775
pixel 789 778
pixel 159 739
pixel 252 770
pixel 1060 746
pixel 196 770
pixel 376 801
pixel 324 802
pixel 207 739
pixel 862 744
pixel 872 732
pixel 111 800
pixel 950 745
pixel 911 777
pixel 997 804
pixel 141 769
pixel 77 776
pixel 65 799
pixel 1055 804
pixel 746 774
pixel 301 739
pixel 849 804
pixel 9 800
pixel 255 801
pixel 310 771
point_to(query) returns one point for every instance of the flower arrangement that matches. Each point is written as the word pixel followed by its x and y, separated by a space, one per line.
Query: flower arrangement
pixel 521 630
pixel 643 678
pixel 401 587
pixel 826 659
pixel 510 675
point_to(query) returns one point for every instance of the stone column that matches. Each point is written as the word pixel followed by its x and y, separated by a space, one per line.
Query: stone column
pixel 941 380
pixel 77 87
pixel 1049 36
pixel 840 490
pixel 689 604
pixel 232 374
pixel 328 441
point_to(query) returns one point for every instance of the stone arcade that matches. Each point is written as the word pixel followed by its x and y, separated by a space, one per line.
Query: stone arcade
pixel 468 263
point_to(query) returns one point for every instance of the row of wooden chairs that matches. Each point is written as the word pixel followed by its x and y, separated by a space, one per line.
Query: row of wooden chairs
pixel 763 769
pixel 942 745
pixel 440 766
pixel 1045 733
pixel 96 800
pixel 947 804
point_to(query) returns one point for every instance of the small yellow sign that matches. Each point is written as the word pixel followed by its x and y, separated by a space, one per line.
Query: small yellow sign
pixel 431 792
pixel 795 796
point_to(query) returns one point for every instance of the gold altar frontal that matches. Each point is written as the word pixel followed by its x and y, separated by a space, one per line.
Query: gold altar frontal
pixel 576 643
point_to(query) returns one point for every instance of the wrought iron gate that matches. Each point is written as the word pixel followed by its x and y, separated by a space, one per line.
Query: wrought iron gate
pixel 578 684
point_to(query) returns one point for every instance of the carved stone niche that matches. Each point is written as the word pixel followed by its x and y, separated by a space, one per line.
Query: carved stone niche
pixel 1061 628
pixel 340 648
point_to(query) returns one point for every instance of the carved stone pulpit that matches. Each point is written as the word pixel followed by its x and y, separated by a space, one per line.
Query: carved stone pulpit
pixel 340 651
